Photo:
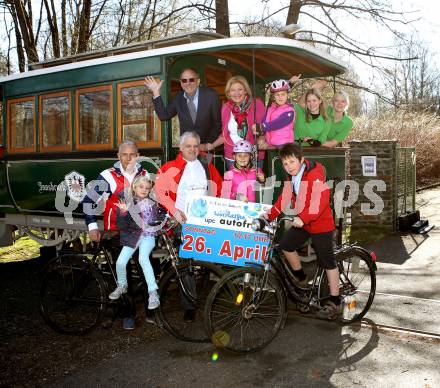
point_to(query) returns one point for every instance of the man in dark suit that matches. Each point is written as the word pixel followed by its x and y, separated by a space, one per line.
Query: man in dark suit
pixel 197 107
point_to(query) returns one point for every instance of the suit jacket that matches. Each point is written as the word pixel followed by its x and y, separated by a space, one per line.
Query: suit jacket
pixel 208 121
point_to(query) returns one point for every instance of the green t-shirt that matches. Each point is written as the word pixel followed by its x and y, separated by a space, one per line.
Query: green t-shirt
pixel 339 131
pixel 317 129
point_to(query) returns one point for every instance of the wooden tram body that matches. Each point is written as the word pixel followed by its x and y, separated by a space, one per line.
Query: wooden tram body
pixel 70 114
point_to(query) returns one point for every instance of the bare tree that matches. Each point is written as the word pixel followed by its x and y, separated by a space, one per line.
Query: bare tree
pixel 67 27
pixel 222 17
pixel 24 34
pixel 413 84
pixel 267 27
pixel 140 20
pixel 77 19
pixel 330 34
pixel 27 37
pixel 4 65
pixel 294 11
pixel 5 59
pixel 53 25
pixel 84 26
pixel 326 16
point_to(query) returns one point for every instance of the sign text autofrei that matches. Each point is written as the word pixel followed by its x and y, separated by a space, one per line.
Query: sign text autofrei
pixel 219 230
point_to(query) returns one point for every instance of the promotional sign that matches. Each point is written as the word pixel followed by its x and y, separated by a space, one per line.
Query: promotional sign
pixel 219 230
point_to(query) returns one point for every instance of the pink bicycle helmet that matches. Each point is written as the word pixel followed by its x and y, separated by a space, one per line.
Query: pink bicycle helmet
pixel 279 85
pixel 243 146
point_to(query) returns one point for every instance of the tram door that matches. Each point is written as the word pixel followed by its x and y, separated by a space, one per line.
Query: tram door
pixel 212 77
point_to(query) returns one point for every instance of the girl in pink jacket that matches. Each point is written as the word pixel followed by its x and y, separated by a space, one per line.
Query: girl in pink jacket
pixel 277 126
pixel 239 182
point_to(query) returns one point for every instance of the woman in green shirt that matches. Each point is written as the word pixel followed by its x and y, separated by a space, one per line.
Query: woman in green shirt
pixel 312 122
pixel 341 123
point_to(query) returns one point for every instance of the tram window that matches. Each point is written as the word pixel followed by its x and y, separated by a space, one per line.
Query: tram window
pixel 55 122
pixel 94 118
pixel 21 125
pixel 136 118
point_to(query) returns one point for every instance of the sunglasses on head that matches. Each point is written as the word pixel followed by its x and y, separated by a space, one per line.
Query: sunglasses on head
pixel 185 80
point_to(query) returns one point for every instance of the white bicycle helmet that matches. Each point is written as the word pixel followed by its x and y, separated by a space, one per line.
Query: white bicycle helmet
pixel 243 146
pixel 279 85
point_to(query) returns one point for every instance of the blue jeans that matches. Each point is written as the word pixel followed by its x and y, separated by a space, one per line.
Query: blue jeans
pixel 146 245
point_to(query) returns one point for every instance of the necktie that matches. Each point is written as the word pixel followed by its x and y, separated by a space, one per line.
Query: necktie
pixel 191 107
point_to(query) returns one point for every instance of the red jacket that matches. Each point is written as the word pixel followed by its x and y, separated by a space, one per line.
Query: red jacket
pixel 312 204
pixel 107 187
pixel 168 178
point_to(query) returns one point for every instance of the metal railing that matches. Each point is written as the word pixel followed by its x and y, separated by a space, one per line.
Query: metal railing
pixel 405 179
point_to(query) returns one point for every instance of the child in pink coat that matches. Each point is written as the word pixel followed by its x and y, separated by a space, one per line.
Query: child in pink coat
pixel 239 182
pixel 277 127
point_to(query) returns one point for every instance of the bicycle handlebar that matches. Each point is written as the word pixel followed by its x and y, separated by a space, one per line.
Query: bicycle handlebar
pixel 106 241
pixel 170 223
pixel 263 225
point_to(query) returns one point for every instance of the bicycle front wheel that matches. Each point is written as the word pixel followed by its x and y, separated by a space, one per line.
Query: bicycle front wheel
pixel 357 284
pixel 197 278
pixel 243 314
pixel 72 295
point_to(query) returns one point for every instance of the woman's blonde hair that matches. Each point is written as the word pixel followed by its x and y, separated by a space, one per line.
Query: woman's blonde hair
pixel 237 79
pixel 322 105
pixel 139 180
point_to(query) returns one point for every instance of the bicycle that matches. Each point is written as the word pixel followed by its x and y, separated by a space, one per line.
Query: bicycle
pixel 248 306
pixel 75 287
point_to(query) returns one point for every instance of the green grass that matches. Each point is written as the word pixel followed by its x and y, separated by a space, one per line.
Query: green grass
pixel 24 249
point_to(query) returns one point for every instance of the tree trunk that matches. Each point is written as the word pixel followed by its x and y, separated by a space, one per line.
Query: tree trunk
pixel 141 29
pixel 64 29
pixel 18 40
pixel 222 17
pixel 153 20
pixel 26 31
pixel 84 26
pixel 293 14
pixel 75 29
pixel 53 26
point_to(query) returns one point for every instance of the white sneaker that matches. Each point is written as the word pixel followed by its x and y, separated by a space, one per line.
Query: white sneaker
pixel 153 300
pixel 119 290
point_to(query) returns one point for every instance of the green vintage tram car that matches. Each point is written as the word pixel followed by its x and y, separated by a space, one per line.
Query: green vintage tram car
pixel 67 116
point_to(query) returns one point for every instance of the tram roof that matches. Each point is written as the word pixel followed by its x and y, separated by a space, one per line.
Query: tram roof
pixel 274 56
